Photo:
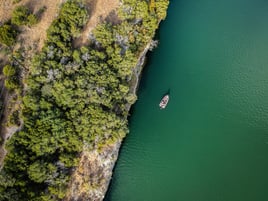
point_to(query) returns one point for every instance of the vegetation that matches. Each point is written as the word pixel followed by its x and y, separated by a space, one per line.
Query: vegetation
pixel 9 70
pixel 23 16
pixel 74 98
pixel 11 73
pixel 16 1
pixel 7 35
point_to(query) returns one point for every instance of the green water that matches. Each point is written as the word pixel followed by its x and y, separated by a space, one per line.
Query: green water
pixel 211 142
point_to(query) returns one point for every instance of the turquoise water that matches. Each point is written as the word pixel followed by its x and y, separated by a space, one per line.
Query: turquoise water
pixel 211 142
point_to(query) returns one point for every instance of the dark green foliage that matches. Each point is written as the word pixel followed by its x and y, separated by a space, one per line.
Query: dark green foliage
pixel 11 83
pixel 74 15
pixel 7 35
pixel 75 97
pixel 14 118
pixel 19 16
pixel 11 73
pixel 23 16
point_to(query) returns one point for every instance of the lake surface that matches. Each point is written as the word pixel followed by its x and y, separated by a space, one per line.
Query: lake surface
pixel 211 142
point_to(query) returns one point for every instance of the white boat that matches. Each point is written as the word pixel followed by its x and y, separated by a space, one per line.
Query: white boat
pixel 164 101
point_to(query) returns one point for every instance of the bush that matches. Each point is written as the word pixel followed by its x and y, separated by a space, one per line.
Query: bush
pixel 23 16
pixel 14 118
pixel 9 70
pixel 7 35
pixel 32 20
pixel 20 15
pixel 11 83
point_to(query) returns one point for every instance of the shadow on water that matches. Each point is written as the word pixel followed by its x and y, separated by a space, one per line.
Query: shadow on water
pixel 142 87
pixel 147 65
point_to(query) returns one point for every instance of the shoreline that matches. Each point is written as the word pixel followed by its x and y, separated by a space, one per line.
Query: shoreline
pixel 91 178
pixel 80 186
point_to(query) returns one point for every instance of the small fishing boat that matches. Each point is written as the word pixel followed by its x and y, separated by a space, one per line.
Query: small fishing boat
pixel 164 101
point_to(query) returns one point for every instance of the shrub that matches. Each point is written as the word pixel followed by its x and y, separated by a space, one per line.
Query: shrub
pixel 7 35
pixel 9 70
pixel 11 83
pixel 20 15
pixel 14 118
pixel 23 16
pixel 32 20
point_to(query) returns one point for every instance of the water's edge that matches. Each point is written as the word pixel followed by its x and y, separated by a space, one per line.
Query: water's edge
pixel 101 163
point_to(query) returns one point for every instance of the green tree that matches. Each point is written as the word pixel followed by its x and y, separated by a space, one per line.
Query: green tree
pixel 11 83
pixel 23 16
pixel 20 15
pixel 7 35
pixel 32 20
pixel 37 171
pixel 161 8
pixel 9 70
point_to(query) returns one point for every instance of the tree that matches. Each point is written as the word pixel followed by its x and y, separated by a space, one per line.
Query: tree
pixel 23 16
pixel 19 16
pixel 37 171
pixel 32 20
pixel 161 8
pixel 9 70
pixel 11 84
pixel 7 35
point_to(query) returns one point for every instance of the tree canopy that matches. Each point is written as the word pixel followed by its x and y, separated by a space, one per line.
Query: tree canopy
pixel 7 35
pixel 23 16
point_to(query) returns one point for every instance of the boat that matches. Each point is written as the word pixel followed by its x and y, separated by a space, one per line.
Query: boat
pixel 164 101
